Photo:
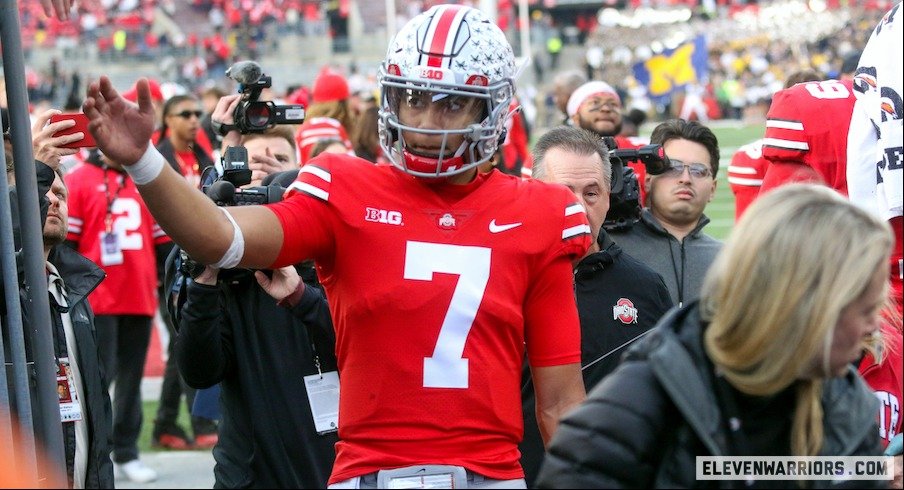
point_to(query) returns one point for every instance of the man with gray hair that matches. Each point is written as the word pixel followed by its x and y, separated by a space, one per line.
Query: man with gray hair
pixel 605 279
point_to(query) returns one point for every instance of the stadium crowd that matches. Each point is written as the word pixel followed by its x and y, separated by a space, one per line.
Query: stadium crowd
pixel 750 51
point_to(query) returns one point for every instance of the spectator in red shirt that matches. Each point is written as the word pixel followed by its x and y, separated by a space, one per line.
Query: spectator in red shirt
pixel 328 116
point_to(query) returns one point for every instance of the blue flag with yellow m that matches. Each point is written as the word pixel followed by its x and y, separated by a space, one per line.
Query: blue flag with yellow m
pixel 673 68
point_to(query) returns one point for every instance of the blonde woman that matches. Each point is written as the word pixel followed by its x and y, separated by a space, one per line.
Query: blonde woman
pixel 761 365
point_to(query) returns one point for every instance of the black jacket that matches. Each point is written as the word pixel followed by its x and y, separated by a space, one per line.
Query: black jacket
pixel 618 299
pixel 236 335
pixel 602 283
pixel 80 276
pixel 643 426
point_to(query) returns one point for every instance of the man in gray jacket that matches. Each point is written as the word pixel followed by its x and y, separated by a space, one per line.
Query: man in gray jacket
pixel 669 236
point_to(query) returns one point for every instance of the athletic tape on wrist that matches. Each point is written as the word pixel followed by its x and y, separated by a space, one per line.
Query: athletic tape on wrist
pixel 148 167
pixel 236 249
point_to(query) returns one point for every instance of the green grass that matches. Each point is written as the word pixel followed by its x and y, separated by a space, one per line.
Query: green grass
pixel 722 208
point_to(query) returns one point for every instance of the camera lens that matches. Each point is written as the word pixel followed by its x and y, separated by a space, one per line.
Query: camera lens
pixel 258 115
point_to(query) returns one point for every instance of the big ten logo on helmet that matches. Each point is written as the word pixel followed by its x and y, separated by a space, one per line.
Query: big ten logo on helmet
pixel 383 216
pixel 436 74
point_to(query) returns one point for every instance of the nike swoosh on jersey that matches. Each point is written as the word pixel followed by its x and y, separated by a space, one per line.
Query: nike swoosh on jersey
pixel 494 228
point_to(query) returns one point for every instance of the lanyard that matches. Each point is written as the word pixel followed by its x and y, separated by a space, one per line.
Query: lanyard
pixel 108 218
pixel 57 310
pixel 189 170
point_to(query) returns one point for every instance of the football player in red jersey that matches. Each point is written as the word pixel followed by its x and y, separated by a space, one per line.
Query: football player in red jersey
pixel 438 276
pixel 813 134
pixel 110 225
pixel 745 175
pixel 810 137
pixel 748 167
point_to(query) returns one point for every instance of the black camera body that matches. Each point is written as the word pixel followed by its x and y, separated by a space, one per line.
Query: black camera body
pixel 250 116
pixel 253 115
pixel 227 191
pixel 624 194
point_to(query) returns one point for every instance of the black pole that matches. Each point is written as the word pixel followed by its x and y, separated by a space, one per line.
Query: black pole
pixel 48 428
pixel 24 434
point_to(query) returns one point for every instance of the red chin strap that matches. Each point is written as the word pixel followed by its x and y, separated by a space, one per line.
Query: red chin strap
pixel 427 165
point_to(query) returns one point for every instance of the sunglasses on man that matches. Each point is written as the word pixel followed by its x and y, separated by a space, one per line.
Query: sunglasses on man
pixel 188 114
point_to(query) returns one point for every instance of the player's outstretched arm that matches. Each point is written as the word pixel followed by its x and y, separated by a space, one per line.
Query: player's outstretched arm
pixel 123 132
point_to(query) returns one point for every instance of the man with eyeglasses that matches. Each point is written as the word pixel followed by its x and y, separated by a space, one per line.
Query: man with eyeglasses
pixel 596 107
pixel 669 235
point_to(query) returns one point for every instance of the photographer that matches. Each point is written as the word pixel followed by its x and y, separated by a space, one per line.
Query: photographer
pixel 269 152
pixel 597 107
pixel 267 434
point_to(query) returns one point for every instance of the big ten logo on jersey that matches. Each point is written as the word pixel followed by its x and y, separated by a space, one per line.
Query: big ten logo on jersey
pixel 383 216
pixel 889 414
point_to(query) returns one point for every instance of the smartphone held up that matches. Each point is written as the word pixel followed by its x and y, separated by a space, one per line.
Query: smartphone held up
pixel 81 126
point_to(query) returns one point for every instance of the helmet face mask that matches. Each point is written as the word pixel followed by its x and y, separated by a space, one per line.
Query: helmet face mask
pixel 447 82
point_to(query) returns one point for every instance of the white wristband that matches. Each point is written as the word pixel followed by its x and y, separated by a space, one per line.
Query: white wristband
pixel 236 249
pixel 148 167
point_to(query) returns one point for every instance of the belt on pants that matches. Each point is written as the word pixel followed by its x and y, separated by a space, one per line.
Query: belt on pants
pixel 371 479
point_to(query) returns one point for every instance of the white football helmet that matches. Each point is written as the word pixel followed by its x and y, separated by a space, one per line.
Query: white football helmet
pixel 448 52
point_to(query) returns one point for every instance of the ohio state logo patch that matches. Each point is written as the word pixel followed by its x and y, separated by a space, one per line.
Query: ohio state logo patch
pixel 624 311
pixel 447 222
